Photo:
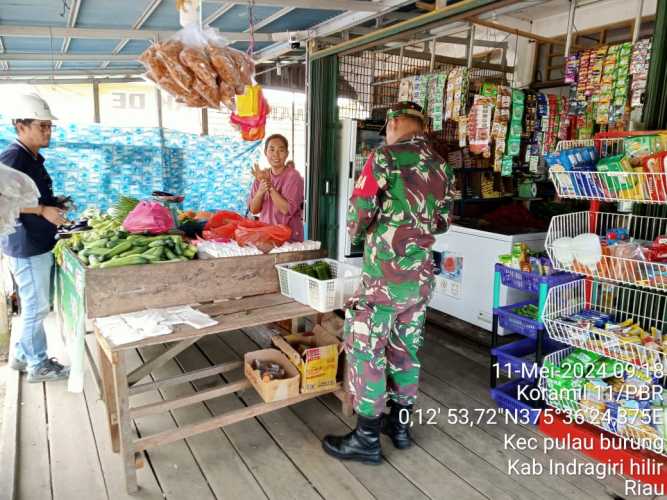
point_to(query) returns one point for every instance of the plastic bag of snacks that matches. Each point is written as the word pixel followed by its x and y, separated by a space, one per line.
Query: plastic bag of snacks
pixel 149 217
pixel 196 68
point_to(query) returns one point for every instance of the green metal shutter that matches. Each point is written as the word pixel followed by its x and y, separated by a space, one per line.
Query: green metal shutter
pixel 323 183
pixel 655 107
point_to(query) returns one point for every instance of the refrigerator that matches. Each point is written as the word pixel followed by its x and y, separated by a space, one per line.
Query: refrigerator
pixel 356 140
pixel 466 258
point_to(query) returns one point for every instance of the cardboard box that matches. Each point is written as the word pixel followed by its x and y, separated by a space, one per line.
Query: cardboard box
pixel 275 390
pixel 318 365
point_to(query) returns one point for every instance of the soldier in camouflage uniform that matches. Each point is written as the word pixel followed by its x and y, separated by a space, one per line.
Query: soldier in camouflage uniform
pixel 401 199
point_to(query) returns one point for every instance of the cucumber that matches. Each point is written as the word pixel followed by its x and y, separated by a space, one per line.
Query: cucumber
pixel 84 259
pixel 94 262
pixel 131 260
pixel 99 243
pixel 120 248
pixel 178 249
pixel 157 243
pixel 170 255
pixel 99 252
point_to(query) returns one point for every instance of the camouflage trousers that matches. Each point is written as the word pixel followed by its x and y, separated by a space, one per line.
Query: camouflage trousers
pixel 381 344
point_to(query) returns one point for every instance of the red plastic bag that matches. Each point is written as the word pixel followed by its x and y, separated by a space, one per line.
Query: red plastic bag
pixel 262 236
pixel 221 233
pixel 149 217
pixel 222 218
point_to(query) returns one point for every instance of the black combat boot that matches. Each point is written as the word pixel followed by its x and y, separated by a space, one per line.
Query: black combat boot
pixel 396 425
pixel 361 445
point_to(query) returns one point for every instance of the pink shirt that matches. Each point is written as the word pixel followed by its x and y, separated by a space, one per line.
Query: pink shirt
pixel 290 185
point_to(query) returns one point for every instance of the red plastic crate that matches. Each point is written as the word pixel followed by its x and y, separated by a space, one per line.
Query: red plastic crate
pixel 559 429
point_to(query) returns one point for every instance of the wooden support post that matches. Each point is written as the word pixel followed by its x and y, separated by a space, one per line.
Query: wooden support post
pixel 109 396
pixel 136 375
pixel 125 430
pixel 4 309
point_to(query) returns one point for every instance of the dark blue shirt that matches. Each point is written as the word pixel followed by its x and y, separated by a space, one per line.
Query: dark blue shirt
pixel 34 234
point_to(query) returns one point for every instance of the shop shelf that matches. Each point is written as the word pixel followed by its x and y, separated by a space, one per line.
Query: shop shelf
pixel 321 295
pixel 646 308
pixel 614 264
pixel 629 426
pixel 520 356
pixel 530 282
pixel 516 323
pixel 507 396
pixel 639 187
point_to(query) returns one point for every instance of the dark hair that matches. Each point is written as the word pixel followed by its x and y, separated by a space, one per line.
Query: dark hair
pixel 275 136
pixel 23 121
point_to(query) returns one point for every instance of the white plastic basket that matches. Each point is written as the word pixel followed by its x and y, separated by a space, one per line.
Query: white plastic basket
pixel 646 308
pixel 321 295
pixel 611 186
pixel 611 267
pixel 626 427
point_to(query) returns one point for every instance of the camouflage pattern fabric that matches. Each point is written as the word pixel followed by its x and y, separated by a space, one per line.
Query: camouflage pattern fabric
pixel 401 199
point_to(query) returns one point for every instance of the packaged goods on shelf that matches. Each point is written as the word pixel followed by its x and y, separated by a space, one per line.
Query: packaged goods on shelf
pixel 608 394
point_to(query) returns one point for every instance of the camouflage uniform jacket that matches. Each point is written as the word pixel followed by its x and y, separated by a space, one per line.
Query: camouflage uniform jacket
pixel 401 199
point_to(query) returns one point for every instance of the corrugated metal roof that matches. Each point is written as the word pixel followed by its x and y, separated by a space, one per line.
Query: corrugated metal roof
pixel 126 15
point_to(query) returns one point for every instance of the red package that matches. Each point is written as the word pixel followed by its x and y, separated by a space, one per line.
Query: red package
pixel 655 183
pixel 264 237
pixel 222 218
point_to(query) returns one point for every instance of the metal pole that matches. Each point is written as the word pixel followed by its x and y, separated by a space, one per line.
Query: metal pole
pixel 471 46
pixel 96 102
pixel 204 121
pixel 158 96
pixel 570 25
pixel 400 63
pixel 638 21
pixel 433 49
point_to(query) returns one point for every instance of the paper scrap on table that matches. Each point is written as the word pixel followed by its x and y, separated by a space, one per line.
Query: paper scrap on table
pixel 135 326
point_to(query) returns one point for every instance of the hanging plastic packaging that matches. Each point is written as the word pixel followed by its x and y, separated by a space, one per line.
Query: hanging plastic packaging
pixel 149 217
pixel 197 68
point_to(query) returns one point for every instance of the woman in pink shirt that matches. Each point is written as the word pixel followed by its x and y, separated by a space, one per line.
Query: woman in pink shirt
pixel 279 200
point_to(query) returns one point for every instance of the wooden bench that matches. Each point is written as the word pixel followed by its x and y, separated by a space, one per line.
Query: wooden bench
pixel 118 385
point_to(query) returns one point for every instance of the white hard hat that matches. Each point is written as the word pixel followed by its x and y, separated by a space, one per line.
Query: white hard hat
pixel 30 107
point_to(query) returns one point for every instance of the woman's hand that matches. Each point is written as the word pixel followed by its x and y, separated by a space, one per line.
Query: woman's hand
pixel 265 186
pixel 54 215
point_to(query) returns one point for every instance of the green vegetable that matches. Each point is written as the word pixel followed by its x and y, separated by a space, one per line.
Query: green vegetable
pixel 96 243
pixel 170 255
pixel 120 248
pixel 130 260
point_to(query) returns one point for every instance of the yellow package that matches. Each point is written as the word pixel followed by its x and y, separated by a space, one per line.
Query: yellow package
pixel 248 103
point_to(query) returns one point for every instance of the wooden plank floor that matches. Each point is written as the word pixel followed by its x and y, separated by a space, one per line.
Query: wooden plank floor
pixel 64 451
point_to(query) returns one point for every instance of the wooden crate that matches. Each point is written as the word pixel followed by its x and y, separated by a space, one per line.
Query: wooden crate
pixel 119 290
pixel 275 390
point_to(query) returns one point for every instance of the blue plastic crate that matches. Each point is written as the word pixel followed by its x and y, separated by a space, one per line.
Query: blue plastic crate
pixel 516 323
pixel 530 282
pixel 513 354
pixel 506 396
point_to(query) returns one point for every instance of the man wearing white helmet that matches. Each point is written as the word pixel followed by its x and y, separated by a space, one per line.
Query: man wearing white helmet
pixel 29 247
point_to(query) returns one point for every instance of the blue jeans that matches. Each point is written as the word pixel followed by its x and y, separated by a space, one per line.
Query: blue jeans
pixel 33 277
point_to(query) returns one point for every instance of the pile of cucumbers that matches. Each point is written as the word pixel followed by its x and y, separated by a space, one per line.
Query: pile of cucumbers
pixel 123 249
pixel 108 245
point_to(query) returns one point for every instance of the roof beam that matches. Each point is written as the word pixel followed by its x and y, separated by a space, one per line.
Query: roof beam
pixel 115 34
pixel 349 5
pixel 339 23
pixel 273 17
pixel 218 14
pixel 45 56
pixel 69 72
pixel 145 16
pixel 71 22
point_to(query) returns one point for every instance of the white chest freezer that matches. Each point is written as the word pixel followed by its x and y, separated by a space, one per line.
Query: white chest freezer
pixel 464 288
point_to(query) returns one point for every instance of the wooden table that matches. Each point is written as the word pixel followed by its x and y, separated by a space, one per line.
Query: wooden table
pixel 83 293
pixel 118 385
